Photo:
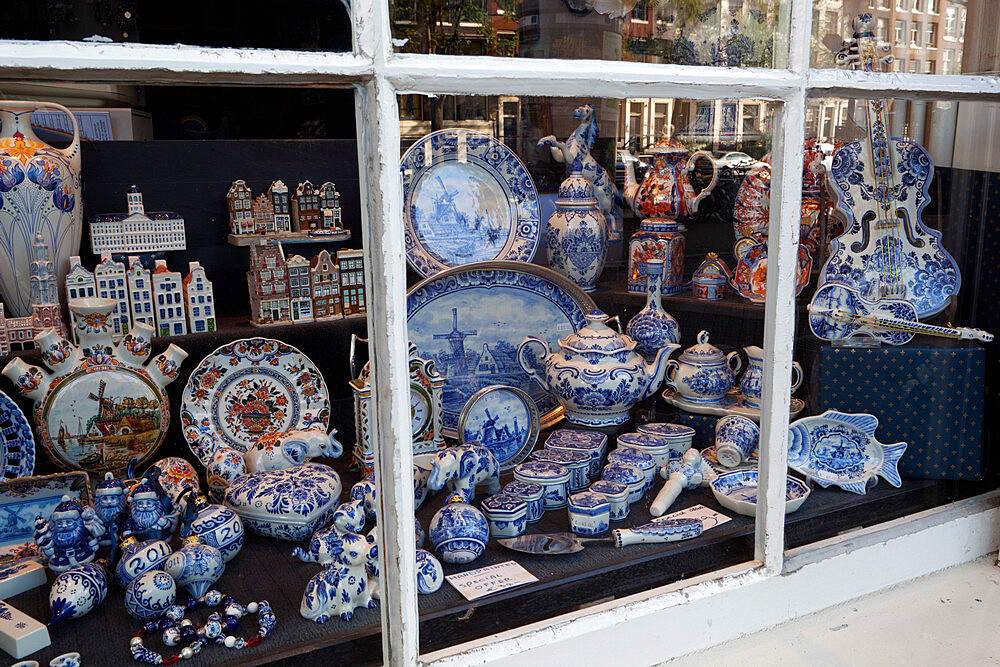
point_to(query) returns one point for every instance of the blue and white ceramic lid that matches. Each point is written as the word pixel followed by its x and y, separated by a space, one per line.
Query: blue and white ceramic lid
pixel 525 490
pixel 543 471
pixel 576 190
pixel 506 503
pixel 665 430
pixel 611 489
pixel 588 499
pixel 597 336
pixel 703 352
pixel 624 473
pixel 644 440
pixel 567 457
pixel 632 457
pixel 568 438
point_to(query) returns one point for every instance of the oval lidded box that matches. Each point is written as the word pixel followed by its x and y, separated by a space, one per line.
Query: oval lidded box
pixel 289 504
pixel 531 494
pixel 680 436
pixel 577 462
pixel 592 442
pixel 628 475
pixel 661 449
pixel 506 513
pixel 641 460
pixel 552 477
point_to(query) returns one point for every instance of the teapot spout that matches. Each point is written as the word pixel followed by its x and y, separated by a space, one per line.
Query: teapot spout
pixel 657 368
pixel 533 362
pixel 30 380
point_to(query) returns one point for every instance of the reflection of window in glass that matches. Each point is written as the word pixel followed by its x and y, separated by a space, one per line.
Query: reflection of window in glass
pixel 640 12
pixel 409 109
pixel 635 126
pixel 935 6
pixel 961 27
pixel 915 29
pixel 918 5
pixel 900 30
pixel 883 4
pixel 903 5
pixel 950 23
pixel 932 35
pixel 914 65
pixel 882 29
pixel 751 117
pixel 659 119
pixel 948 61
pixel 929 67
pixel 831 21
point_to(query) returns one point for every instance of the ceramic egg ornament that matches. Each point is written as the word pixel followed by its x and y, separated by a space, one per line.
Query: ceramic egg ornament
pixel 196 566
pixel 150 595
pixel 225 466
pixel 140 557
pixel 78 591
pixel 216 525
pixel 459 532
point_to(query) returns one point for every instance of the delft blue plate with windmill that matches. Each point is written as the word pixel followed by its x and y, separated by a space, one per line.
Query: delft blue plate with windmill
pixel 466 198
pixel 16 441
pixel 470 319
pixel 840 449
pixel 504 420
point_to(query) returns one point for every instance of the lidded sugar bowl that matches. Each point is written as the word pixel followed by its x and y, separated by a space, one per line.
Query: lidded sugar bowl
pixel 702 374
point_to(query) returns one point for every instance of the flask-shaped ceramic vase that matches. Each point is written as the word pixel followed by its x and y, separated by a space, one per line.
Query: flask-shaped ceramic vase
pixel 39 194
pixel 576 239
pixel 653 328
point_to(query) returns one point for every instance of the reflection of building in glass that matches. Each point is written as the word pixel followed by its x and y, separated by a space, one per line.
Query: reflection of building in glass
pixel 719 125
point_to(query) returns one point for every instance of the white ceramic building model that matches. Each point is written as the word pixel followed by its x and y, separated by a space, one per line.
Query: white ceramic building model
pixel 140 291
pixel 168 301
pixel 199 298
pixel 79 285
pixel 109 276
pixel 137 232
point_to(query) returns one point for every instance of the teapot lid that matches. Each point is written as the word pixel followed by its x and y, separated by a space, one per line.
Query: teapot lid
pixel 703 351
pixel 576 190
pixel 597 336
pixel 667 146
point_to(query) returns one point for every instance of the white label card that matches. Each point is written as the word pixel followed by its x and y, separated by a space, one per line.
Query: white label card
pixel 709 518
pixel 491 579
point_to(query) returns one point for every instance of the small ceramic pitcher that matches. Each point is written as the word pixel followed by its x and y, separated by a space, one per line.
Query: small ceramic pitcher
pixel 752 381
pixel 58 353
pixel 135 347
pixel 91 322
pixel 164 368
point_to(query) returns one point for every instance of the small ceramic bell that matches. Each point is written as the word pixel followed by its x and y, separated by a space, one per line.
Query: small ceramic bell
pixel 196 566
pixel 78 591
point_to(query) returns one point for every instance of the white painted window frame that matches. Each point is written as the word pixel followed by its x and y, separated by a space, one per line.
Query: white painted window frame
pixel 378 75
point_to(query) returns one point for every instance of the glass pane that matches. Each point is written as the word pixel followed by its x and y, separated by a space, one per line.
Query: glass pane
pixel 928 257
pixel 312 25
pixel 733 33
pixel 928 37
pixel 496 177
pixel 153 158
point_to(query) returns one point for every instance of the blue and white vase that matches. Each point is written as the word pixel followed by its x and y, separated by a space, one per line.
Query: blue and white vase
pixel 653 328
pixel 576 239
pixel 196 566
pixel 140 557
pixel 459 532
pixel 430 574
pixel 216 525
pixel 39 195
pixel 150 595
pixel 78 591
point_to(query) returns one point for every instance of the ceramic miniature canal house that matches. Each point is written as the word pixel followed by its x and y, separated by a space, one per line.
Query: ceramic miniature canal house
pixel 352 281
pixel 79 285
pixel 199 299
pixel 299 293
pixel 324 275
pixel 137 232
pixel 110 278
pixel 239 201
pixel 306 211
pixel 278 211
pixel 268 285
pixel 140 291
pixel 168 296
pixel 16 333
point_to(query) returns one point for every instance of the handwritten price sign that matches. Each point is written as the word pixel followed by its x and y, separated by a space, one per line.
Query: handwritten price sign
pixel 491 579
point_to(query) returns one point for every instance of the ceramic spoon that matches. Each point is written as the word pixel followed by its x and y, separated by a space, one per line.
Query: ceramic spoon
pixel 655 532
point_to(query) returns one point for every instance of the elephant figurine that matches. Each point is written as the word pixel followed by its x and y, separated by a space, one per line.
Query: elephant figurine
pixel 365 489
pixel 276 451
pixel 463 468
pixel 344 585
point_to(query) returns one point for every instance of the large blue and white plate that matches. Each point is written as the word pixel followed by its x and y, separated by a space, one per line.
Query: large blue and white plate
pixel 841 449
pixel 16 442
pixel 470 320
pixel 504 420
pixel 466 198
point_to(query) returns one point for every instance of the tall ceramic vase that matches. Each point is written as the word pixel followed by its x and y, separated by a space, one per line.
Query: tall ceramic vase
pixel 39 194
pixel 653 328
pixel 576 239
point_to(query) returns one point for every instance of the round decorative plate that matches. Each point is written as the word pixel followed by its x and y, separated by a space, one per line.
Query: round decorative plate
pixel 249 388
pixel 466 198
pixel 17 445
pixel 504 420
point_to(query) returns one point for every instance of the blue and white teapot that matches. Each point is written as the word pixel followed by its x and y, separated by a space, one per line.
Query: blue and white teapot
pixel 703 373
pixel 596 375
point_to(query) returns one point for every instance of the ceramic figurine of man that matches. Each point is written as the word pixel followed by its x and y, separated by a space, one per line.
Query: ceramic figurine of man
pixel 147 519
pixel 70 536
pixel 109 505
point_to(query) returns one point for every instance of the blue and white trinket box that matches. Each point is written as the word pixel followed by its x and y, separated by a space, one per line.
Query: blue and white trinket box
pixel 617 495
pixel 589 513
pixel 506 513
pixel 531 494
pixel 552 477
pixel 577 462
pixel 593 442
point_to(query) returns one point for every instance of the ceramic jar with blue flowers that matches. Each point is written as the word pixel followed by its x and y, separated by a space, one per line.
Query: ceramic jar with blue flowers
pixel 702 374
pixel 576 239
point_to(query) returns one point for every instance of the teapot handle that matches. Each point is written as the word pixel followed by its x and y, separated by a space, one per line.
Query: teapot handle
pixel 671 372
pixel 739 361
pixel 530 364
pixel 715 177
pixel 796 375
